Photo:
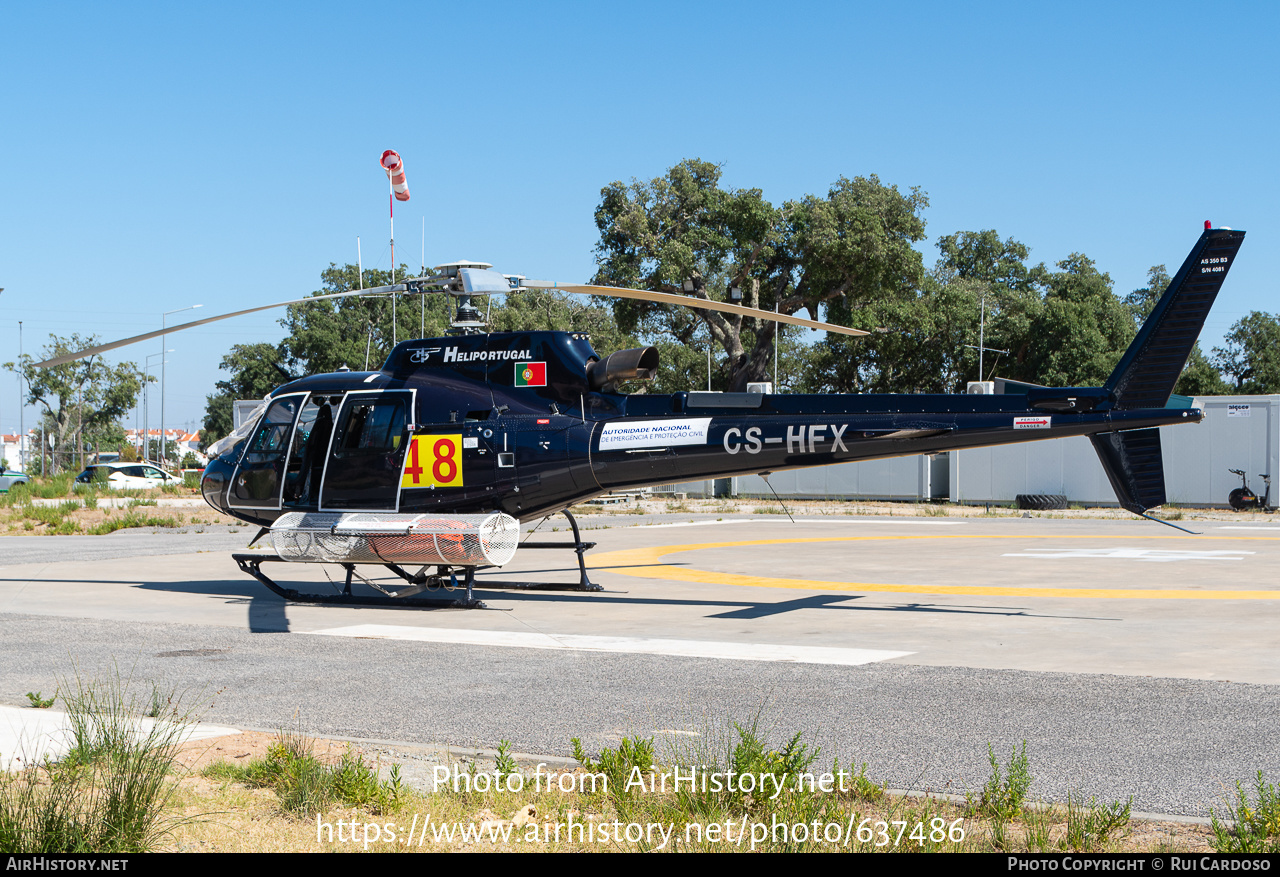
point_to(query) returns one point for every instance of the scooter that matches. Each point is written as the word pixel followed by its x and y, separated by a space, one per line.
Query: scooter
pixel 1243 498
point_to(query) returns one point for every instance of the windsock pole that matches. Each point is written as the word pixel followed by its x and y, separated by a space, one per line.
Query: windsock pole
pixel 391 206
pixel 398 191
pixel 421 298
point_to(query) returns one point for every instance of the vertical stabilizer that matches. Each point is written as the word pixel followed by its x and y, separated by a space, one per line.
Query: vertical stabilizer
pixel 1134 465
pixel 1151 366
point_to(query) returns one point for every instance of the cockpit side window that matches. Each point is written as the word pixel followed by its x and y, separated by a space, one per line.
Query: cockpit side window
pixel 375 427
pixel 273 433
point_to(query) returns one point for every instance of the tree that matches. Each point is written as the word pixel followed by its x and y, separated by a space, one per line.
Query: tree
pixel 1141 302
pixel 170 450
pixel 926 340
pixel 1061 328
pixel 532 310
pixel 830 253
pixel 256 369
pixel 982 256
pixel 1081 330
pixel 1251 359
pixel 82 400
pixel 1199 377
pixel 360 332
pixel 356 332
pixel 323 337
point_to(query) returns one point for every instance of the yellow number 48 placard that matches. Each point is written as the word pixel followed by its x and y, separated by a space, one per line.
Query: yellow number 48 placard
pixel 433 461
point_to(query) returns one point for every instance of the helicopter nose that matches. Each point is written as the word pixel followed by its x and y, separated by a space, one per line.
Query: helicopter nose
pixel 217 478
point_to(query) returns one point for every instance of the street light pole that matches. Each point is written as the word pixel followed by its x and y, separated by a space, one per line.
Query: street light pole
pixel 22 410
pixel 163 318
pixel 146 404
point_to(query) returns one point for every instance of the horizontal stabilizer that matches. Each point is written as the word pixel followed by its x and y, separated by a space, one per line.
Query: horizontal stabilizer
pixel 1135 467
pixel 1151 366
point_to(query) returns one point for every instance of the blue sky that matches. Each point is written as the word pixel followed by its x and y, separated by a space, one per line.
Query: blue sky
pixel 155 156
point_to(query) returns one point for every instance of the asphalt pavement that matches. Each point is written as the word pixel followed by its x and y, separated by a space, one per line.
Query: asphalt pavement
pixel 1131 659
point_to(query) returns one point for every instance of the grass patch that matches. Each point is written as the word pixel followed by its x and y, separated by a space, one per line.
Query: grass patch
pixel 111 793
pixel 1091 827
pixel 618 765
pixel 481 813
pixel 51 487
pixel 131 518
pixel 305 786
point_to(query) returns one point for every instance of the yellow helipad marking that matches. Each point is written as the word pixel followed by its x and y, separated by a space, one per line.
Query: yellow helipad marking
pixel 647 563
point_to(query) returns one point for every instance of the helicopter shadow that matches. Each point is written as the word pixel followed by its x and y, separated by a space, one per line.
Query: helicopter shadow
pixel 748 609
pixel 267 612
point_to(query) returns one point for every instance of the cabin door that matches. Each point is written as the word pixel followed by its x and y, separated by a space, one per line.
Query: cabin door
pixel 367 453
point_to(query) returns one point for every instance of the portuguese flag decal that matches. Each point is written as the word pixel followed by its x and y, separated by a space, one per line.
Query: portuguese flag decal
pixel 531 374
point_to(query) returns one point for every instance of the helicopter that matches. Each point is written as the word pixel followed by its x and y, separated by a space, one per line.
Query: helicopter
pixel 437 458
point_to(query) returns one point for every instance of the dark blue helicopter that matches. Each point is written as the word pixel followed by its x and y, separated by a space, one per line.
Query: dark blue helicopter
pixel 435 458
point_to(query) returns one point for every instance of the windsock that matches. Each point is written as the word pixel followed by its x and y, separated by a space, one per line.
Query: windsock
pixel 394 166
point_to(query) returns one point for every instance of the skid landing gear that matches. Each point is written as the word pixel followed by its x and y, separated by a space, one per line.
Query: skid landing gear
pixel 577 545
pixel 445 581
pixel 446 578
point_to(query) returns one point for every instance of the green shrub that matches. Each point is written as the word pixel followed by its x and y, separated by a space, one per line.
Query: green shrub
pixel 618 764
pixel 38 701
pixel 504 765
pixel 1003 798
pixel 1252 826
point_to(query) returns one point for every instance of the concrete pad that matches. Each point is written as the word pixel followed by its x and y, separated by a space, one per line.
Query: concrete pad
pixel 28 736
pixel 1070 595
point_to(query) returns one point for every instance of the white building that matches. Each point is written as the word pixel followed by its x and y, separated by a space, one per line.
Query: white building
pixel 15 449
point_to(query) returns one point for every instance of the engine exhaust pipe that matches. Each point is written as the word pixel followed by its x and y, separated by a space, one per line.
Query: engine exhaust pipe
pixel 636 364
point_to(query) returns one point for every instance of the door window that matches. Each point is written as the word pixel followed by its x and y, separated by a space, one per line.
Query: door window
pixel 258 479
pixel 363 471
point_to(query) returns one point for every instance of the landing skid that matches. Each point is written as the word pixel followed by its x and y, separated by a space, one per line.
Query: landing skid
pixel 584 584
pixel 446 578
pixel 252 564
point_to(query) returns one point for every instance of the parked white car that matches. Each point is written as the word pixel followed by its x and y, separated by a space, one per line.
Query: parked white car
pixel 124 476
pixel 10 477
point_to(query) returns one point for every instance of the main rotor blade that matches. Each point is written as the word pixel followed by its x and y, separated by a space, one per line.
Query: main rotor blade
pixel 103 348
pixel 686 301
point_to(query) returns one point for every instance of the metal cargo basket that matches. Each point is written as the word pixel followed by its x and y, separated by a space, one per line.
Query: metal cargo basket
pixel 366 537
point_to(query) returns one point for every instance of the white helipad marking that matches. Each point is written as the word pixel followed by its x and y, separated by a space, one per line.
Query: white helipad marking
pixel 1151 555
pixel 906 521
pixel 28 735
pixel 626 644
